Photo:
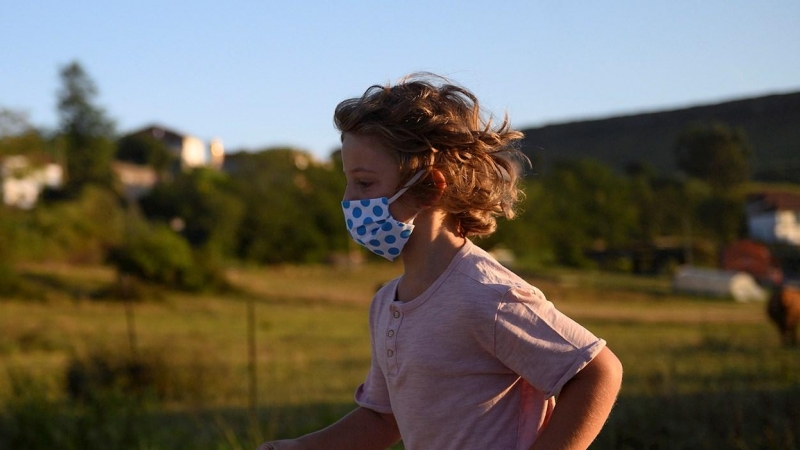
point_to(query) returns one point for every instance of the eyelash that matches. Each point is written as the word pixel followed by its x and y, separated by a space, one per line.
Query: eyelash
pixel 361 184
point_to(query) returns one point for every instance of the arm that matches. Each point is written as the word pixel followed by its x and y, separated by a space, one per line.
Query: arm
pixel 362 429
pixel 583 405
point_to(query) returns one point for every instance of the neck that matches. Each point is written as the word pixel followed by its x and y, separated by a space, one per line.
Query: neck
pixel 433 244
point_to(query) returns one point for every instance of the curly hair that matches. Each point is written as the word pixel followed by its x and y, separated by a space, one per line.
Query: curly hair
pixel 429 123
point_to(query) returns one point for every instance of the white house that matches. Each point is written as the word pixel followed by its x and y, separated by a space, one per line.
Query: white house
pixel 189 150
pixel 774 217
pixel 22 182
pixel 135 180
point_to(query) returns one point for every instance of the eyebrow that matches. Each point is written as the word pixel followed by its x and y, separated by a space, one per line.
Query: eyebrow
pixel 361 170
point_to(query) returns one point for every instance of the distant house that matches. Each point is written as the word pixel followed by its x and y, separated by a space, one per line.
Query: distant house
pixel 23 181
pixel 774 217
pixel 190 151
pixel 135 180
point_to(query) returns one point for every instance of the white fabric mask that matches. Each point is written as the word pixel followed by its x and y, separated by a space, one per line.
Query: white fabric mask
pixel 370 223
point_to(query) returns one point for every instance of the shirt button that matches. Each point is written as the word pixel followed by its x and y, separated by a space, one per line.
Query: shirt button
pixel 397 314
pixel 390 353
pixel 390 333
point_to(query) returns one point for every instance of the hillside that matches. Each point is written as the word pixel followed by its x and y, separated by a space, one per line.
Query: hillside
pixel 772 125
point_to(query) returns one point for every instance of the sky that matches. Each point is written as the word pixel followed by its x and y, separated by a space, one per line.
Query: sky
pixel 261 74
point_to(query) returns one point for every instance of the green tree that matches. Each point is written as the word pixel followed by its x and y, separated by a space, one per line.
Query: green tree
pixel 577 206
pixel 722 217
pixel 201 205
pixel 19 137
pixel 715 153
pixel 584 204
pixel 144 150
pixel 527 235
pixel 85 130
pixel 292 206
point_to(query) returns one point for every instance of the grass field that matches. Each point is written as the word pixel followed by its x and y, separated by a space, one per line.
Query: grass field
pixel 699 373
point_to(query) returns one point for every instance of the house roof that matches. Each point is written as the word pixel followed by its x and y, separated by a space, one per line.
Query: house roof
pixel 160 132
pixel 774 201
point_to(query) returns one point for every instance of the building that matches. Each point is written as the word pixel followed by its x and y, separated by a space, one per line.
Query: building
pixel 774 217
pixel 189 151
pixel 135 180
pixel 22 181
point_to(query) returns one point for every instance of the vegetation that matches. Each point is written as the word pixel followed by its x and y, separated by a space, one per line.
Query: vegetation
pixel 715 153
pixel 86 132
pixel 144 150
pixel 769 123
pixel 698 373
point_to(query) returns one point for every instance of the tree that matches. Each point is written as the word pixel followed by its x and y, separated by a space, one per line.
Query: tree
pixel 586 205
pixel 715 153
pixel 85 130
pixel 155 253
pixel 19 137
pixel 13 123
pixel 144 150
pixel 292 206
pixel 202 206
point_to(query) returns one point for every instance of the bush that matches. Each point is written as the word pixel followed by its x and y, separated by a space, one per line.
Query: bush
pixel 159 255
pixel 77 230
pixel 103 372
pixel 149 375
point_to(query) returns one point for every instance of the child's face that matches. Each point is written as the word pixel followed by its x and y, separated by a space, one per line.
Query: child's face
pixel 371 172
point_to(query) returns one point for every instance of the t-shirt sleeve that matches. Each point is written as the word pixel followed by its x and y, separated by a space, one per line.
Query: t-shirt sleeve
pixel 538 342
pixel 372 393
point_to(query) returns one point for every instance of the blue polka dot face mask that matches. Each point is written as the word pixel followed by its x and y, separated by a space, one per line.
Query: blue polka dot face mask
pixel 370 223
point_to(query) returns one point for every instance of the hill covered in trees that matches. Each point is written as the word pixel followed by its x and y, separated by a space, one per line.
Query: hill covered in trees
pixel 771 124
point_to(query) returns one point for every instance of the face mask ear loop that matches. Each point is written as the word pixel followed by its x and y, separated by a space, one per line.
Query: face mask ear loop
pixel 410 183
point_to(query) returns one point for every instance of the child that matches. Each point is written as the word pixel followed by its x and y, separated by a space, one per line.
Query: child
pixel 465 354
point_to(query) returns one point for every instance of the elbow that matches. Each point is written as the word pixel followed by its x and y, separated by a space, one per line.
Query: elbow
pixel 607 369
pixel 613 371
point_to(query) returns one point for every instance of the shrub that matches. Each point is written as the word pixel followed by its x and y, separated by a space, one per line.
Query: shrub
pixel 150 374
pixel 102 372
pixel 155 253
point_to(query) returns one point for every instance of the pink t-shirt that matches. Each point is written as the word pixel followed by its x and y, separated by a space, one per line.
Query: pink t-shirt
pixel 475 361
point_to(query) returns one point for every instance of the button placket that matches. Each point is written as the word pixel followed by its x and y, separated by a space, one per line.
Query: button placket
pixel 395 319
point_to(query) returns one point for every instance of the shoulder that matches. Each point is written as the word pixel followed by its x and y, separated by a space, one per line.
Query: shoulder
pixel 480 270
pixel 480 286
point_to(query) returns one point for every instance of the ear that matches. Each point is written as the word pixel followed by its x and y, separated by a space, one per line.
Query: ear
pixel 439 183
pixel 438 180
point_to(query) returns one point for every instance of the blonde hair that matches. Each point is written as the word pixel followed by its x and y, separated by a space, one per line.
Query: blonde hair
pixel 430 123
